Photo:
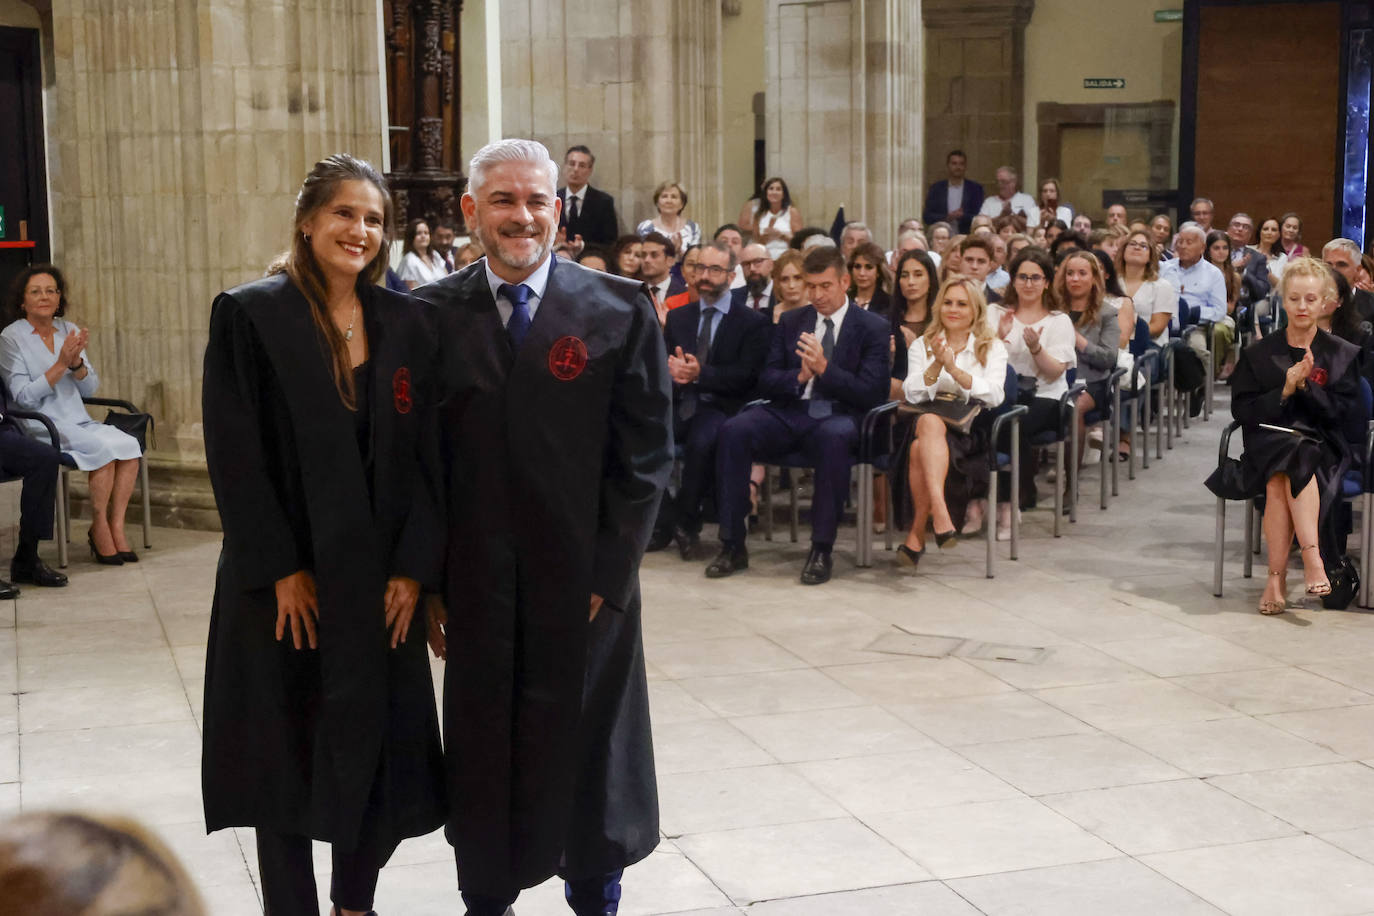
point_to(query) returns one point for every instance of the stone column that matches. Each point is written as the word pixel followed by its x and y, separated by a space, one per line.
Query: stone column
pixel 179 137
pixel 844 108
pixel 636 81
pixel 976 54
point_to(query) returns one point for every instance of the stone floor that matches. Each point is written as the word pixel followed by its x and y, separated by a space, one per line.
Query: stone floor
pixel 1151 750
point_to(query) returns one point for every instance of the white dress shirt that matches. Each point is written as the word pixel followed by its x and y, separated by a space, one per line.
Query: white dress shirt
pixel 1201 286
pixel 1021 202
pixel 536 281
pixel 988 382
pixel 581 195
pixel 661 289
pixel 837 318
pixel 955 199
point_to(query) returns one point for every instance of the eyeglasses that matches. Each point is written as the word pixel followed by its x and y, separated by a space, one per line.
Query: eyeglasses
pixel 1030 279
pixel 1141 246
pixel 751 263
pixel 714 269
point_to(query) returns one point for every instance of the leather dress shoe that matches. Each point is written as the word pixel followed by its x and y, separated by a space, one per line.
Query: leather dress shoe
pixel 8 591
pixel 661 538
pixel 817 568
pixel 36 572
pixel 728 561
pixel 687 542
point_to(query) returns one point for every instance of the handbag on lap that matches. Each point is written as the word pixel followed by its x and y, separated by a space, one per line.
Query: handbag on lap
pixel 957 413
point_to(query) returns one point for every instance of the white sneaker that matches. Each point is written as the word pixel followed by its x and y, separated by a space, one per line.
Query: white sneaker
pixel 1004 521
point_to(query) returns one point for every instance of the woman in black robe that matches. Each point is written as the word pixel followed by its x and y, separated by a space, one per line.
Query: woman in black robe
pixel 322 450
pixel 1293 392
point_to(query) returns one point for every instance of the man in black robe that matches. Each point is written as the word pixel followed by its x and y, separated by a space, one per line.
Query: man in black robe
pixel 558 439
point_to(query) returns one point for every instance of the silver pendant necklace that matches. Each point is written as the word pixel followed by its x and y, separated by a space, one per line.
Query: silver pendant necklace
pixel 348 334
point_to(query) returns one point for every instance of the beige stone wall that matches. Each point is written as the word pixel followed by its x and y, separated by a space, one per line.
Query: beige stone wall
pixel 743 77
pixel 179 136
pixel 18 14
pixel 637 81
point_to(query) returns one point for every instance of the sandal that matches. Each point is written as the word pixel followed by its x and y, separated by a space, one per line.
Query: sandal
pixel 1318 589
pixel 1269 606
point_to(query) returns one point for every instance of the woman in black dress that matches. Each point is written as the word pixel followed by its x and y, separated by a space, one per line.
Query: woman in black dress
pixel 1293 392
pixel 321 445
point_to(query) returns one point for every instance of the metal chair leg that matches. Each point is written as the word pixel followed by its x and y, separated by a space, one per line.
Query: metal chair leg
pixel 1102 464
pixel 794 485
pixel 865 517
pixel 1072 459
pixel 1058 490
pixel 1172 405
pixel 1218 547
pixel 1366 549
pixel 766 502
pixel 891 516
pixel 1115 424
pixel 1249 561
pixel 990 527
pixel 60 518
pixel 1015 488
pixel 147 503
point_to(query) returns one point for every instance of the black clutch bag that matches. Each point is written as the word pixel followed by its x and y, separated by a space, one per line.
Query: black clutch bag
pixel 138 425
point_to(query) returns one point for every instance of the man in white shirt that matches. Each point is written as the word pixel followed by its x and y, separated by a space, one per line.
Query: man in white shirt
pixel 657 266
pixel 1200 286
pixel 1008 200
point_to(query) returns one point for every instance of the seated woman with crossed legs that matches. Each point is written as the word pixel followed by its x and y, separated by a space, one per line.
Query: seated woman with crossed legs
pixel 1293 392
pixel 959 354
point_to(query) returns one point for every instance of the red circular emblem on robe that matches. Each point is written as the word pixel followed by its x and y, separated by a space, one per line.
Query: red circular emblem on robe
pixel 567 358
pixel 1319 375
pixel 400 390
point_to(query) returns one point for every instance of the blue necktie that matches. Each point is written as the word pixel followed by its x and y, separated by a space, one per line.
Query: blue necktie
pixel 820 406
pixel 519 325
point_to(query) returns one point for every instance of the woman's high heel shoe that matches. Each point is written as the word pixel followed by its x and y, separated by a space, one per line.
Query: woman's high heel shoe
pixel 1318 589
pixel 113 559
pixel 1269 606
pixel 911 557
pixel 944 537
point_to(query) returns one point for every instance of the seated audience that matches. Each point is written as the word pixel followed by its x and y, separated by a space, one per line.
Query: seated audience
pixel 975 258
pixel 1303 379
pixel 44 361
pixel 467 254
pixel 1068 241
pixel 939 235
pixel 60 864
pixel 957 357
pixel 854 235
pixel 872 284
pixel 789 284
pixel 688 268
pixel 1251 267
pixel 1015 244
pixel 1040 341
pixel 1162 233
pixel 1051 209
pixel 670 199
pixel 716 348
pixel 952 262
pixel 627 257
pixel 1009 200
pixel 420 264
pixel 998 278
pixel 1202 286
pixel 1290 236
pixel 1270 245
pixel 1080 290
pixel 1219 255
pixel 1082 224
pixel 954 199
pixel 1137 265
pixel 595 257
pixel 657 256
pixel 1344 256
pixel 757 293
pixel 733 236
pixel 913 300
pixel 771 217
pixel 827 366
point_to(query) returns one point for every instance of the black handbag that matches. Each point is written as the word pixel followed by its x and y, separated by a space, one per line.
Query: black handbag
pixel 138 425
pixel 1345 585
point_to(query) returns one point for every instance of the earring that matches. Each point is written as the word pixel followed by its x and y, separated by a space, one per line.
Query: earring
pixel 307 238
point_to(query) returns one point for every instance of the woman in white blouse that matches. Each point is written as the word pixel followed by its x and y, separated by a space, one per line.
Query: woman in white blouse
pixel 421 263
pixel 670 199
pixel 1040 343
pixel 1155 300
pixel 957 356
pixel 771 217
pixel 1271 246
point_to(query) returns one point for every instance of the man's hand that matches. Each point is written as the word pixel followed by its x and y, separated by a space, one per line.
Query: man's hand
pixel 436 618
pixel 955 215
pixel 597 601
pixel 402 595
pixel 812 356
pixel 683 367
pixel 297 604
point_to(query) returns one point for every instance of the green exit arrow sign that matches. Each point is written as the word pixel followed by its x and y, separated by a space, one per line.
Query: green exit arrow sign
pixel 1104 82
pixel 1168 15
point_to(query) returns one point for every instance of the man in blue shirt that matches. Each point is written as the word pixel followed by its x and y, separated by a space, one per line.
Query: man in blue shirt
pixel 1201 287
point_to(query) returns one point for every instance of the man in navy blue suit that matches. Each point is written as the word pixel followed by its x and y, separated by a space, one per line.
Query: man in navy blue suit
pixel 827 366
pixel 716 347
pixel 953 199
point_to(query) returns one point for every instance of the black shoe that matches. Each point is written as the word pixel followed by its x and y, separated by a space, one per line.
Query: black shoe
pixel 911 557
pixel 728 561
pixel 817 568
pixel 688 542
pixel 113 559
pixel 661 538
pixel 941 539
pixel 36 572
pixel 8 591
pixel 128 556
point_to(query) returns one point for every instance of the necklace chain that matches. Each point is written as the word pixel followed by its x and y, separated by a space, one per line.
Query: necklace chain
pixel 348 334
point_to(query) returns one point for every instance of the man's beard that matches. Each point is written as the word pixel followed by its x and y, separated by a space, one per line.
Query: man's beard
pixel 710 291
pixel 756 285
pixel 493 247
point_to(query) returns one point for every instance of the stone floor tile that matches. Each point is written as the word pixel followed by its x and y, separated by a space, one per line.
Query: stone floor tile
pixel 928 898
pixel 1348 731
pixel 1222 746
pixel 154 797
pixel 153 665
pixel 75 707
pixel 988 837
pixel 238 899
pixel 1134 704
pixel 770 692
pixel 667 624
pixel 1195 653
pixel 765 863
pixel 846 646
pixel 1063 666
pixel 707 744
pixel 904 782
pixel 669 703
pixel 1318 799
pixel 1353 672
pixel 910 679
pixel 827 734
pixel 746 797
pixel 1279 877
pixel 998 717
pixel 1119 887
pixel 110 750
pixel 1357 842
pixel 1274 690
pixel 1069 763
pixel 112 637
pixel 1167 816
pixel 212 859
pixel 728 655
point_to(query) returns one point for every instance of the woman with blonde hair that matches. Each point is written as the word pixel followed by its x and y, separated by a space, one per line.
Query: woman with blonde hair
pixel 60 864
pixel 957 360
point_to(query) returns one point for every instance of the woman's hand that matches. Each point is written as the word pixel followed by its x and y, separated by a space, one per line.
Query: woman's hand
pixel 70 354
pixel 944 355
pixel 296 602
pixel 1004 325
pixel 1296 378
pixel 1032 338
pixel 436 620
pixel 402 594
pixel 909 336
pixel 1080 342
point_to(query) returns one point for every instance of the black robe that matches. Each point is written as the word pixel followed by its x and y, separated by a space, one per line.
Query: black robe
pixel 301 741
pixel 557 457
pixel 1323 412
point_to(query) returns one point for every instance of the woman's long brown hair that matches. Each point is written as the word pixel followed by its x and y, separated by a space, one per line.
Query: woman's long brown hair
pixel 298 262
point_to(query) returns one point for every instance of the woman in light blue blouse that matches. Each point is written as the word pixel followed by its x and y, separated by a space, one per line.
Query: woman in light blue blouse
pixel 43 358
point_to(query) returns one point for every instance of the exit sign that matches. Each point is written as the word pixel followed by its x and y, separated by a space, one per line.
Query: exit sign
pixel 1168 15
pixel 1104 82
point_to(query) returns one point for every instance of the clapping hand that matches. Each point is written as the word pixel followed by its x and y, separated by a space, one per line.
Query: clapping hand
pixel 1032 339
pixel 1298 373
pixel 72 347
pixel 683 367
pixel 944 355
pixel 812 357
pixel 1004 324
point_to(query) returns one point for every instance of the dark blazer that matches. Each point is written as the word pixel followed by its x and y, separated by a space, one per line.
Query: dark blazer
pixel 1364 304
pixel 738 349
pixel 937 203
pixel 1254 277
pixel 857 376
pixel 557 454
pixel 597 222
pixel 676 285
pixel 740 296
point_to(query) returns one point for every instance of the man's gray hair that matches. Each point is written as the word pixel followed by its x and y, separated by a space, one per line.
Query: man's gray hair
pixel 857 226
pixel 1009 170
pixel 1191 226
pixel 510 151
pixel 818 241
pixel 1346 245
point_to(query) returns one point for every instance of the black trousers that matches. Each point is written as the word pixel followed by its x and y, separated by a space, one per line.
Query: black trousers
pixel 698 437
pixel 37 463
pixel 1043 415
pixel 586 897
pixel 288 875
